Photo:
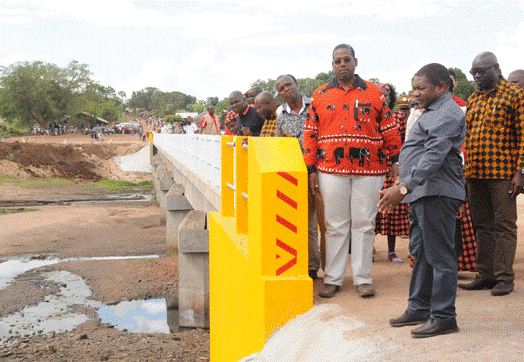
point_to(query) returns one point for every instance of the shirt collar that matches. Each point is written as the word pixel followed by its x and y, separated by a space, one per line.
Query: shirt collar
pixel 438 102
pixel 503 83
pixel 306 102
pixel 357 83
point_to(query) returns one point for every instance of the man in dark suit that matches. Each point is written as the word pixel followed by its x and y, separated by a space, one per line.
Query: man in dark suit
pixel 430 179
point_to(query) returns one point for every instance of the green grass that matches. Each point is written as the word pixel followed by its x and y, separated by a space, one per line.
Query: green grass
pixel 14 211
pixel 39 182
pixel 9 179
pixel 110 185
pixel 27 182
pixel 118 185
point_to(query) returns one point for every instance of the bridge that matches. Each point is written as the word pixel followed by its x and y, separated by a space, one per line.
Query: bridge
pixel 236 215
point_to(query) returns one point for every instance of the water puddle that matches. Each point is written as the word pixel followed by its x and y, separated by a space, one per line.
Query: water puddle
pixel 140 316
pixel 12 267
pixel 58 313
pixel 117 198
pixel 55 313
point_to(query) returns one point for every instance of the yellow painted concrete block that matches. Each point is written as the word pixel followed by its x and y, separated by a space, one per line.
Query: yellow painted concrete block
pixel 258 258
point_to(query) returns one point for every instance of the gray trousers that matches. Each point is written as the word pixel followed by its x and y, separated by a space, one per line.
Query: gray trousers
pixel 433 286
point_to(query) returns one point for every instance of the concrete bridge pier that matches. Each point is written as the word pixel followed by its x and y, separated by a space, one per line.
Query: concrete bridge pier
pixel 165 181
pixel 193 266
pixel 177 208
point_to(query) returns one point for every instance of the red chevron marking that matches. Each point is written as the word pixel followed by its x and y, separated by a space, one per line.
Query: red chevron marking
pixel 286 224
pixel 287 199
pixel 290 263
pixel 288 177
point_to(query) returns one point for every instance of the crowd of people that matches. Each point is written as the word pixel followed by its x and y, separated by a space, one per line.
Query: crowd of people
pixel 443 170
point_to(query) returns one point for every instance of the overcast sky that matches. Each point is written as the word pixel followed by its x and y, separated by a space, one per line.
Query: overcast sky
pixel 210 48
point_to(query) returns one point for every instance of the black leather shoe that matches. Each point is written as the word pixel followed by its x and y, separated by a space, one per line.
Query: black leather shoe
pixel 502 288
pixel 478 284
pixel 408 319
pixel 435 327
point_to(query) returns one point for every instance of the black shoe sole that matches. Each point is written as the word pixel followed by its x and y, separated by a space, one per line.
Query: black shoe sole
pixel 424 335
pixel 403 324
pixel 465 287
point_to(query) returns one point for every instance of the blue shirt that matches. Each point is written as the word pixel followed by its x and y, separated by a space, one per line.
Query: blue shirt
pixel 430 162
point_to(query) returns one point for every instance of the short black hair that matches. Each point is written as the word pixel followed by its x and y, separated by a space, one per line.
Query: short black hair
pixel 392 96
pixel 344 46
pixel 453 75
pixel 435 73
pixel 283 76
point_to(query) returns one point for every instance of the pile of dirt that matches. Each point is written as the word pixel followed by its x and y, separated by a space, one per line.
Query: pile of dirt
pixel 76 161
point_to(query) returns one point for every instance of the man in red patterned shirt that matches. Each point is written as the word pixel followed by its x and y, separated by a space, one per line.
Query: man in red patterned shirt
pixel 347 136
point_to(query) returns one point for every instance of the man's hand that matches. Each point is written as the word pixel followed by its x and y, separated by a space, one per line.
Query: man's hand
pixel 393 173
pixel 390 198
pixel 246 131
pixel 517 184
pixel 462 211
pixel 313 180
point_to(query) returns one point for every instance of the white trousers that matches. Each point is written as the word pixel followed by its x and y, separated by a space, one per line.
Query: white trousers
pixel 350 208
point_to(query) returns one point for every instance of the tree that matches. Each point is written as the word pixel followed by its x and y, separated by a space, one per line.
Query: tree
pixel 266 85
pixel 100 101
pixel 143 98
pixel 42 93
pixel 464 88
pixel 122 95
pixel 212 101
pixel 220 107
pixel 199 106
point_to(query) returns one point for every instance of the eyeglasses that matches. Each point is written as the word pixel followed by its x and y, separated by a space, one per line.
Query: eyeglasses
pixel 480 71
pixel 345 60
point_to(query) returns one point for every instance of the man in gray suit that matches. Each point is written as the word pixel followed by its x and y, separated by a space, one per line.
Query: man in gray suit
pixel 430 179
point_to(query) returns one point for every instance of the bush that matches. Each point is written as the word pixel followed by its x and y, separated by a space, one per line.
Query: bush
pixel 172 118
pixel 7 130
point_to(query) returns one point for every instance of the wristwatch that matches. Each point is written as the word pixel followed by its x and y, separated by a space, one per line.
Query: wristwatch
pixel 404 190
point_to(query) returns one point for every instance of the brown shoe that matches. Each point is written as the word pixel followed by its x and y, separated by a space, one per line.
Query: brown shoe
pixel 366 290
pixel 328 291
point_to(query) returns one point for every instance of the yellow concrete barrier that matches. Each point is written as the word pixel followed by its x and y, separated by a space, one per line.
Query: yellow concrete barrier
pixel 258 256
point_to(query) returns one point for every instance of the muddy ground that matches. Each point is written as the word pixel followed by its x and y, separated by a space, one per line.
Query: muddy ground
pixel 65 229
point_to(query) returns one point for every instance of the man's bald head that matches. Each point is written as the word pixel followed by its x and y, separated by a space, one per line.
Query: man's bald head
pixel 237 102
pixel 252 93
pixel 266 105
pixel 517 77
pixel 487 59
pixel 486 71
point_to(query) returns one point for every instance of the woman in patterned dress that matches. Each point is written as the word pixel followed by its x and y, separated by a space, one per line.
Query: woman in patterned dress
pixel 395 223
